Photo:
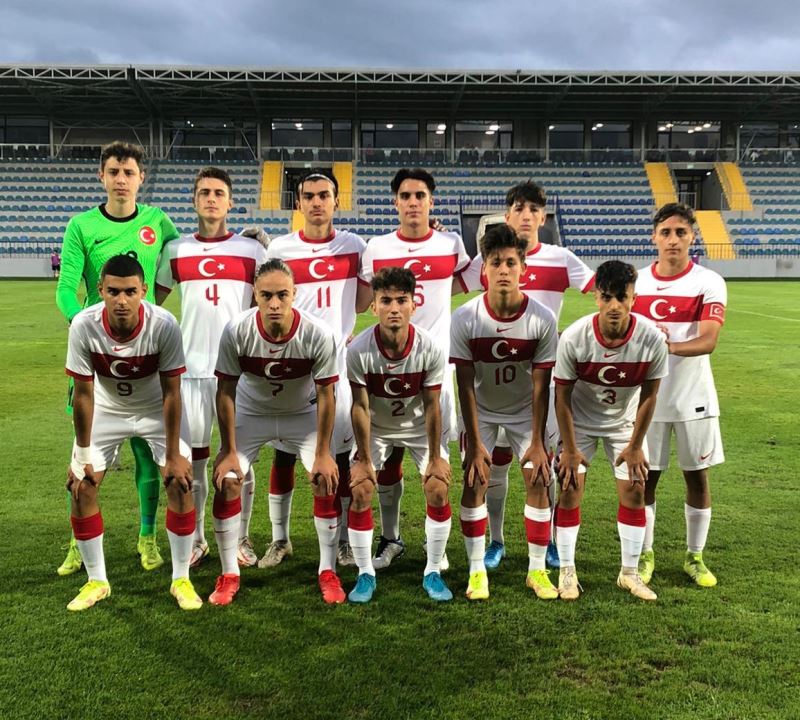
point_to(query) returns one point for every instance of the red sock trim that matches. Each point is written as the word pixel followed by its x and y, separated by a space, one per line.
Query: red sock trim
pixel 474 528
pixel 391 474
pixel 88 527
pixel 568 517
pixel 202 453
pixel 631 516
pixel 181 523
pixel 440 514
pixel 224 509
pixel 325 506
pixel 537 532
pixel 501 457
pixel 281 479
pixel 360 519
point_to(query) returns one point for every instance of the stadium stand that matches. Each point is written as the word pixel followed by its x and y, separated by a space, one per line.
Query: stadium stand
pixel 773 226
pixel 600 208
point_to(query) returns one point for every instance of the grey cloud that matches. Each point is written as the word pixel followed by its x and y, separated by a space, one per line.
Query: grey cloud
pixel 470 34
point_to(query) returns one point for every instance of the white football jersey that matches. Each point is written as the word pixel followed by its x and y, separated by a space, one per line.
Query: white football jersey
pixel 503 353
pixel 276 377
pixel 607 379
pixel 434 260
pixel 326 276
pixel 680 303
pixel 215 280
pixel 126 372
pixel 549 271
pixel 395 384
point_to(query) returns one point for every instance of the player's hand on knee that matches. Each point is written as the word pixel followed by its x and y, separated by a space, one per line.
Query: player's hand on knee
pixel 439 468
pixel 325 474
pixel 477 465
pixel 361 473
pixel 76 475
pixel 178 469
pixel 536 460
pixel 637 465
pixel 569 467
pixel 226 464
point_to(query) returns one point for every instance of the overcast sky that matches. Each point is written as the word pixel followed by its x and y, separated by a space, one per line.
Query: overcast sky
pixel 439 34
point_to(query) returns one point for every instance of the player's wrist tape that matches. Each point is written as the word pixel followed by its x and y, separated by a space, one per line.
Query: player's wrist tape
pixel 83 455
pixel 77 469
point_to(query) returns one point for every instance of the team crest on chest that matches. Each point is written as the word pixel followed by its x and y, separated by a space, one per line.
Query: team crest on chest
pixel 147 236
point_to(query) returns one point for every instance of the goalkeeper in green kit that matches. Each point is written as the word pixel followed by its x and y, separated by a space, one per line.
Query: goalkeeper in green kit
pixel 118 226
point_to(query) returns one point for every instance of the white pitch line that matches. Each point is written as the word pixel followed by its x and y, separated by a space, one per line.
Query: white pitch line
pixel 771 317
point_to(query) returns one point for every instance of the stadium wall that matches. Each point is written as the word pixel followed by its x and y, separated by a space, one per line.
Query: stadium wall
pixel 777 268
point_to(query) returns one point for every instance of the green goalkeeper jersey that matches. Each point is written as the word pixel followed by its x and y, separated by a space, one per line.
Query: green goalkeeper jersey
pixel 93 237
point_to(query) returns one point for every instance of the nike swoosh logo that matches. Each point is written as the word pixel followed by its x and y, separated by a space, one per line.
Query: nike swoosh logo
pixel 101 240
pixel 347 440
pixel 316 250
pixel 416 249
pixel 206 249
pixel 274 351
pixel 664 287
pixel 333 527
pixel 703 457
pixel 392 367
pixel 116 348
pixel 610 355
pixel 503 329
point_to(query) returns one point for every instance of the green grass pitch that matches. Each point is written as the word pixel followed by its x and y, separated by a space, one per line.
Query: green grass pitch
pixel 278 652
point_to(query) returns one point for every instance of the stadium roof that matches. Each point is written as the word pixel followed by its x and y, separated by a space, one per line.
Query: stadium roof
pixel 105 93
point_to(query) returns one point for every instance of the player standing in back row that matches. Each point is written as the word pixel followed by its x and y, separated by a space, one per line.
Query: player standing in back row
pixel 214 270
pixel 325 262
pixel 688 302
pixel 118 226
pixel 434 258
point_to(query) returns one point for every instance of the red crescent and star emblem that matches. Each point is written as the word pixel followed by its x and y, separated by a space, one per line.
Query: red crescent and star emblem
pixel 147 235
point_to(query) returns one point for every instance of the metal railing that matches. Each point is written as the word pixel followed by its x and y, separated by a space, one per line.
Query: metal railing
pixel 767 156
pixel 690 155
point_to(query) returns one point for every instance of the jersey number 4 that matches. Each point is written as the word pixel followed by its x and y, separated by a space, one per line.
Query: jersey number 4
pixel 212 294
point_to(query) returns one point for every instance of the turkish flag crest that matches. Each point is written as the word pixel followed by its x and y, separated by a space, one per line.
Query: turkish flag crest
pixel 147 235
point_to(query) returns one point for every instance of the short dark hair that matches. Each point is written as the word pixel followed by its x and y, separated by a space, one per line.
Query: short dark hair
pixel 214 173
pixel 681 210
pixel 614 276
pixel 499 237
pixel 401 279
pixel 273 265
pixel 122 266
pixel 318 174
pixel 413 174
pixel 526 192
pixel 122 151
